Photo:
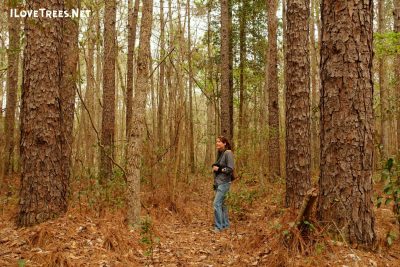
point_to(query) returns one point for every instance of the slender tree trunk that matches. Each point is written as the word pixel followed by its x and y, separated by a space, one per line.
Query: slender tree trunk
pixel 46 115
pixel 396 17
pixel 297 103
pixel 314 93
pixel 89 95
pixel 192 162
pixel 160 126
pixel 137 133
pixel 272 85
pixel 383 90
pixel 211 123
pixel 347 120
pixel 132 22
pixel 242 67
pixel 108 111
pixel 226 90
pixel 14 25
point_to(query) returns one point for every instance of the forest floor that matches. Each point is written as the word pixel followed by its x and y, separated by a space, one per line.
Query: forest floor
pixel 94 233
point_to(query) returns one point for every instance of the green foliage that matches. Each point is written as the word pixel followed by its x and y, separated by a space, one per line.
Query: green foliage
pixel 387 44
pixel 147 237
pixel 21 263
pixel 391 191
pixel 390 237
pixel 237 201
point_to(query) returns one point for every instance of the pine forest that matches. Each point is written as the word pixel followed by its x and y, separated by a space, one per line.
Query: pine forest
pixel 199 133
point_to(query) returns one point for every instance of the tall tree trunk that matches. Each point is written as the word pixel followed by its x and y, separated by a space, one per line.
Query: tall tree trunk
pixel 347 119
pixel 211 123
pixel 226 90
pixel 46 115
pixel 298 148
pixel 161 83
pixel 12 87
pixel 242 67
pixel 396 17
pixel 108 112
pixel 70 56
pixel 272 85
pixel 383 90
pixel 89 95
pixel 191 133
pixel 314 92
pixel 137 133
pixel 132 22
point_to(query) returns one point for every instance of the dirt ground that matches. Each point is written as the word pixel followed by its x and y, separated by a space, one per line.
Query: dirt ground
pixel 178 233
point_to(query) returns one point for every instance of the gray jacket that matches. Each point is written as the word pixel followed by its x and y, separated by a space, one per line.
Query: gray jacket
pixel 225 163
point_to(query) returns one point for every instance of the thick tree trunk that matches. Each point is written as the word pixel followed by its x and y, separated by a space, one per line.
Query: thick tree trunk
pixel 108 111
pixel 137 133
pixel 226 90
pixel 298 147
pixel 70 54
pixel 347 144
pixel 272 85
pixel 14 25
pixel 46 115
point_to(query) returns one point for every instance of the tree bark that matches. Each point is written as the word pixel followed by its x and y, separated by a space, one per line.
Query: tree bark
pixel 298 146
pixel 46 115
pixel 272 87
pixel 160 123
pixel 132 22
pixel 396 18
pixel 383 90
pixel 137 133
pixel 314 91
pixel 242 67
pixel 108 111
pixel 192 162
pixel 226 90
pixel 347 146
pixel 13 52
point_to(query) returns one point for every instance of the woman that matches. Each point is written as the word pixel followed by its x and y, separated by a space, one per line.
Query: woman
pixel 223 169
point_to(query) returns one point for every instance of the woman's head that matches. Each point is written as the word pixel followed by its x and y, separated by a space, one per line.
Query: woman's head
pixel 223 143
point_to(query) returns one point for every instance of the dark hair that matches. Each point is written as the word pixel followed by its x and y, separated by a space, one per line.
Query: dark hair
pixel 224 140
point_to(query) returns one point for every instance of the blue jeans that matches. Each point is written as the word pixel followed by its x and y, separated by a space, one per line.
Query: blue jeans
pixel 220 209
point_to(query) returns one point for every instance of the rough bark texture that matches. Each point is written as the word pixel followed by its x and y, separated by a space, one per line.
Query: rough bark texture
pixel 226 91
pixel 132 22
pixel 108 112
pixel 46 115
pixel 347 145
pixel 272 85
pixel 69 76
pixel 396 15
pixel 13 50
pixel 137 134
pixel 314 91
pixel 297 102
